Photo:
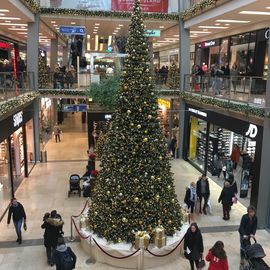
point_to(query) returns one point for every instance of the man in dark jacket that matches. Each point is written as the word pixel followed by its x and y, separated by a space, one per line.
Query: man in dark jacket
pixel 247 229
pixel 63 257
pixel 203 192
pixel 17 212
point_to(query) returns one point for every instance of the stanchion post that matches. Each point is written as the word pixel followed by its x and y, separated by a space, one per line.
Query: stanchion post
pixel 71 239
pixel 141 259
pixel 91 260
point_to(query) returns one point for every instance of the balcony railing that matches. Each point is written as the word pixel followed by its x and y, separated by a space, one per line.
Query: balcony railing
pixel 244 89
pixel 13 84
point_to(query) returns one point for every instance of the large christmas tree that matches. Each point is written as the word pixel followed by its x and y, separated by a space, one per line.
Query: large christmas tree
pixel 134 190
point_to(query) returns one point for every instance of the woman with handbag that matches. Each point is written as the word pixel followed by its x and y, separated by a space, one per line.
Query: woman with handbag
pixel 217 257
pixel 226 199
pixel 193 246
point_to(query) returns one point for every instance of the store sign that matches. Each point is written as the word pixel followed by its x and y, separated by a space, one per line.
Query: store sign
pixel 17 119
pixel 108 116
pixel 204 114
pixel 160 6
pixel 5 45
pixel 164 102
pixel 74 108
pixel 152 33
pixel 73 30
pixel 207 44
pixel 267 34
pixel 252 131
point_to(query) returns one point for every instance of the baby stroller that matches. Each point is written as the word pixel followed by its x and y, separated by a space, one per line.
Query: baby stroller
pixel 253 254
pixel 74 184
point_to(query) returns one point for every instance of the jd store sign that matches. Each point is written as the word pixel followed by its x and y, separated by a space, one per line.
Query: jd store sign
pixel 252 131
pixel 17 119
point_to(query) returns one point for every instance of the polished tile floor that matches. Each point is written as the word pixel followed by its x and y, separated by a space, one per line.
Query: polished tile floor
pixel 46 189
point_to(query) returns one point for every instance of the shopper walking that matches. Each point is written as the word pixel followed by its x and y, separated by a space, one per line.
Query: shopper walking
pixel 247 229
pixel 57 132
pixel 235 156
pixel 173 146
pixel 234 74
pixel 217 257
pixel 226 198
pixel 203 192
pixel 16 210
pixel 191 197
pixel 193 245
pixel 53 224
pixel 63 256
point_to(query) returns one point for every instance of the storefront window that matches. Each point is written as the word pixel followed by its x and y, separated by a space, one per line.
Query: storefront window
pixel 30 144
pixel 223 58
pixel 214 56
pixel 197 141
pixel 17 156
pixel 46 119
pixel 239 56
pixel 5 182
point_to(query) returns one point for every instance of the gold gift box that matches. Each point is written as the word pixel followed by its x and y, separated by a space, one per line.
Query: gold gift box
pixel 159 232
pixel 142 240
pixel 160 242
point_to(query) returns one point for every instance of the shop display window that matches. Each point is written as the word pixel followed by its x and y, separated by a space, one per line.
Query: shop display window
pixel 197 141
pixel 223 57
pixel 5 182
pixel 17 156
pixel 30 144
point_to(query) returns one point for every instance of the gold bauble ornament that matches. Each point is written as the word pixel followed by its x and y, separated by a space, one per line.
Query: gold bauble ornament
pixel 157 197
pixel 129 111
pixel 160 157
pixel 146 131
pixel 124 201
pixel 152 177
pixel 169 221
pixel 108 192
pixel 124 220
pixel 149 116
pixel 136 199
pixel 173 200
pixel 145 139
pixel 139 126
pixel 169 187
pixel 140 109
pixel 132 124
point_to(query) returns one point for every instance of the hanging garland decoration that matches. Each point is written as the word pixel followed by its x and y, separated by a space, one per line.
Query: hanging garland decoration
pixel 111 14
pixel 198 8
pixel 242 108
pixel 16 102
pixel 32 5
pixel 62 92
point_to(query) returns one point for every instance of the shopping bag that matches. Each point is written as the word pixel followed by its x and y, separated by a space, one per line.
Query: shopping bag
pixel 209 207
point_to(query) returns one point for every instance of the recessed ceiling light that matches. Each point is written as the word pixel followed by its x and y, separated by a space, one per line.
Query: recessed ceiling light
pixel 227 24
pixel 13 28
pixel 53 21
pixel 97 23
pixel 116 31
pixel 15 24
pixel 205 30
pixel 253 12
pixel 73 23
pixel 57 28
pixel 232 21
pixel 10 18
pixel 23 27
pixel 118 28
pixel 2 14
pixel 4 10
pixel 120 25
pixel 96 27
pixel 192 36
pixel 55 25
pixel 199 32
pixel 161 26
pixel 8 21
pixel 22 33
pixel 217 23
pixel 213 27
pixel 176 35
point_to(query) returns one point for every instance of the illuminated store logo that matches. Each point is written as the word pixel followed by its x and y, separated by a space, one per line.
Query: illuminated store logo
pixel 108 116
pixel 267 34
pixel 252 131
pixel 208 44
pixel 165 103
pixel 204 114
pixel 17 119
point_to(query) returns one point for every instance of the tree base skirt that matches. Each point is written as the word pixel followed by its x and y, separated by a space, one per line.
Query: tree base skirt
pixel 141 259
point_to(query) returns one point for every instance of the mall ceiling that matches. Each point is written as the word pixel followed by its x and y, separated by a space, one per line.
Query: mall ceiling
pixel 247 15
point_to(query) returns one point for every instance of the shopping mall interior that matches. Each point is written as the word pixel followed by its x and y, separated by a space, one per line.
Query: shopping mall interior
pixel 110 109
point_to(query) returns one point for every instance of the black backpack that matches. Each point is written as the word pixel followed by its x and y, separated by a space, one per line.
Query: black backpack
pixel 66 260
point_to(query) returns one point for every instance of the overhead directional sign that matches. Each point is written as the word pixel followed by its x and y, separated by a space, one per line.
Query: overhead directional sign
pixel 152 33
pixel 74 108
pixel 72 30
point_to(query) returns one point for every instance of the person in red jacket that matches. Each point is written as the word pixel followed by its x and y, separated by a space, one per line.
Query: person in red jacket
pixel 217 257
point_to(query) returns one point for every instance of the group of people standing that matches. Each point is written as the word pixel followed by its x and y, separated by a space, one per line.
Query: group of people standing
pixel 216 256
pixel 217 78
pixel 63 76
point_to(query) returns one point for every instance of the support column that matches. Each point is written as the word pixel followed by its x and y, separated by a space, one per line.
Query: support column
pixel 54 53
pixel 65 55
pixel 184 61
pixel 36 129
pixel 33 52
pixel 263 205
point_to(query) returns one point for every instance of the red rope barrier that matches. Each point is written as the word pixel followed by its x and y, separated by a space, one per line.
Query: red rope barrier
pixel 84 237
pixel 164 255
pixel 82 210
pixel 115 257
pixel 112 256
